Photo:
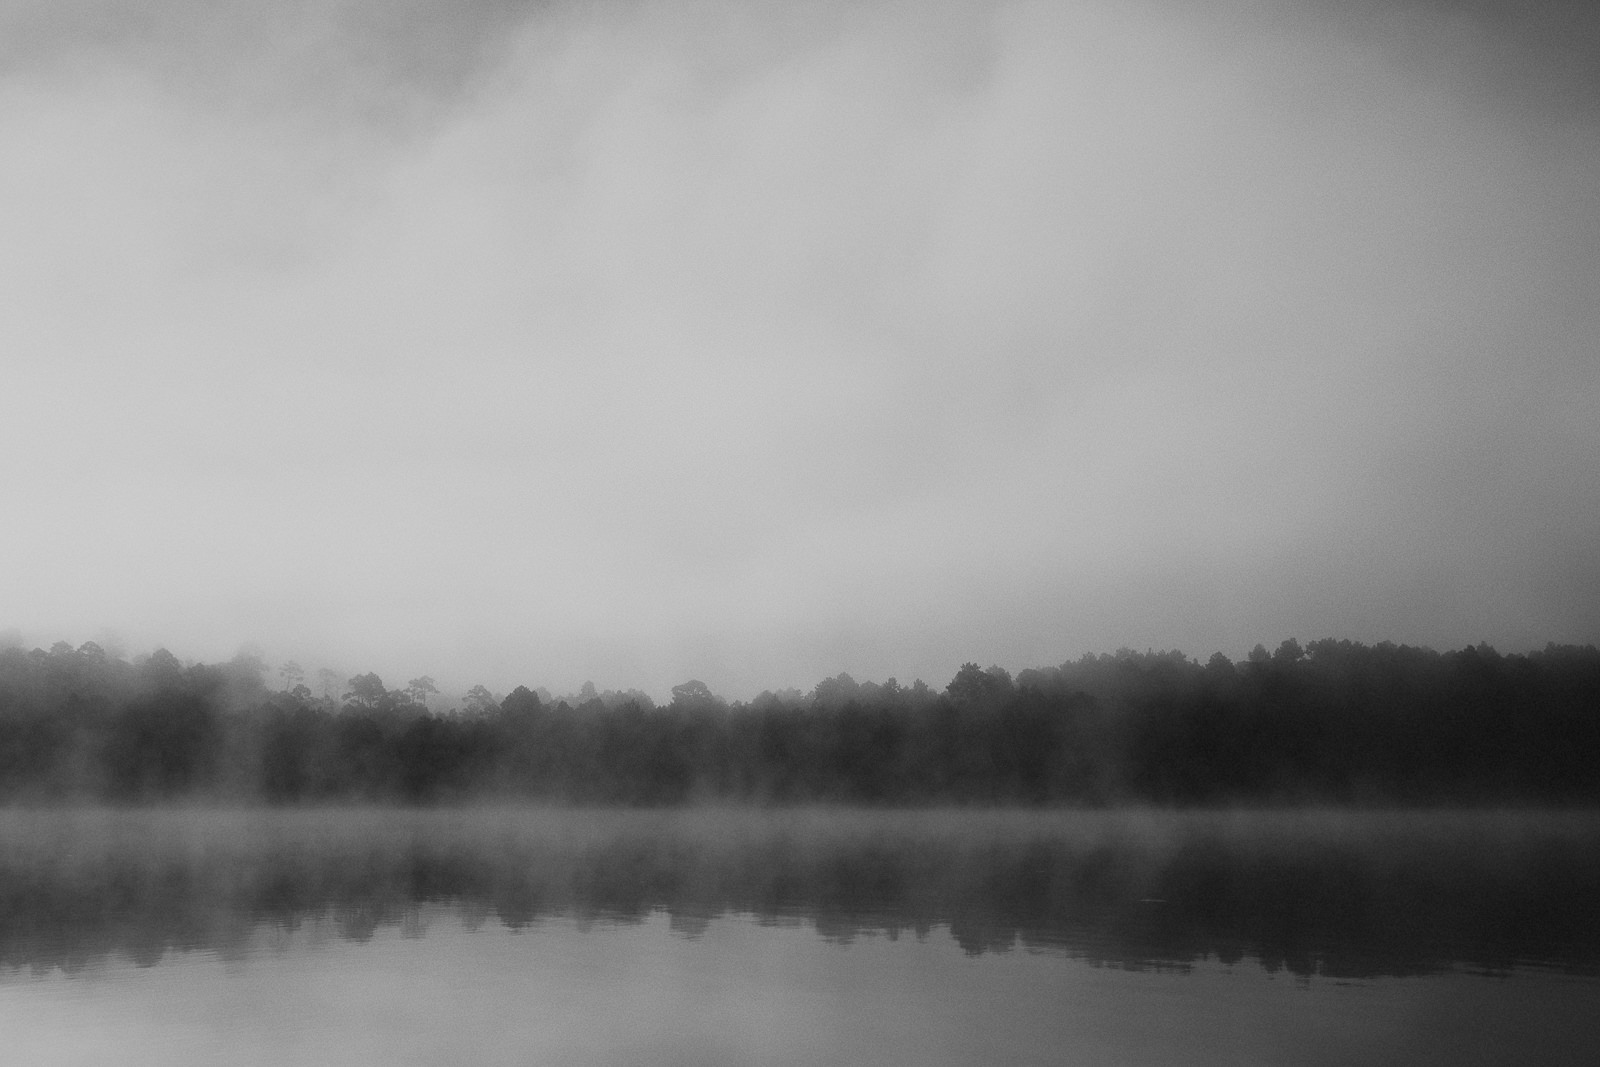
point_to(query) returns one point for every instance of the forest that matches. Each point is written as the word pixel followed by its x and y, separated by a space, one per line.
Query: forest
pixel 1333 722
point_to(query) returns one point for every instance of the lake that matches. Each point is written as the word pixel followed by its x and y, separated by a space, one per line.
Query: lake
pixel 710 937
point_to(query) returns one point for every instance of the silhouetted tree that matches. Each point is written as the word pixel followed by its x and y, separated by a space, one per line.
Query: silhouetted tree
pixel 420 689
pixel 365 692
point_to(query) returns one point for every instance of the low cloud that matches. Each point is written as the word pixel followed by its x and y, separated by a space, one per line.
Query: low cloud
pixel 757 342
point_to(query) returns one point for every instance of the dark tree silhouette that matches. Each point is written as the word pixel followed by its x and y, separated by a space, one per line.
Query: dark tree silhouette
pixel 1328 722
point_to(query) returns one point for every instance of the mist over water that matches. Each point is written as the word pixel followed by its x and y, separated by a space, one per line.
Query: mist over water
pixel 801 937
pixel 1314 893
pixel 402 399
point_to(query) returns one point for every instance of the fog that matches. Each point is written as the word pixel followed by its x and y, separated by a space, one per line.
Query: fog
pixel 755 342
pixel 1339 895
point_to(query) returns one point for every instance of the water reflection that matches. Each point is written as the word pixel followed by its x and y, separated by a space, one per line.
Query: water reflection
pixel 1335 894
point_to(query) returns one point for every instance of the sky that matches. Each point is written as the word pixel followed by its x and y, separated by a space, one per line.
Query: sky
pixel 754 341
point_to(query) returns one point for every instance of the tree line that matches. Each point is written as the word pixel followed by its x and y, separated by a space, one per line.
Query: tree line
pixel 1331 722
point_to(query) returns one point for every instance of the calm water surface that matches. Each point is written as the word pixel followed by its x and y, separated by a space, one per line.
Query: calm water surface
pixel 529 937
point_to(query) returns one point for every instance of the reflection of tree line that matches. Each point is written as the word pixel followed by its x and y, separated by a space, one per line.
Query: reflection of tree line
pixel 1332 722
pixel 1338 895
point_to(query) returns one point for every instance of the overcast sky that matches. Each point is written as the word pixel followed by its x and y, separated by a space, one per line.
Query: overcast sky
pixel 754 342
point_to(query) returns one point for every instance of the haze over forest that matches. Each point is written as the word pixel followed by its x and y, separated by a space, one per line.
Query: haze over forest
pixel 1333 721
pixel 760 342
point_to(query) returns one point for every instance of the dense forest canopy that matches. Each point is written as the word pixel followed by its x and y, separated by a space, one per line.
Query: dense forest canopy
pixel 1334 721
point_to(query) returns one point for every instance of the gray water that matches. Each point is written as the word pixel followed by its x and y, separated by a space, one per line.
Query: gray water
pixel 730 937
